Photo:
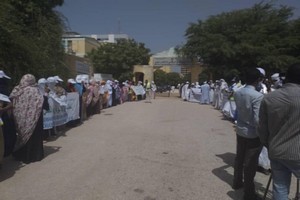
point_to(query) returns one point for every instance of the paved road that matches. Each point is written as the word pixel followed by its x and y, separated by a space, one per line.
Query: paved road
pixel 164 150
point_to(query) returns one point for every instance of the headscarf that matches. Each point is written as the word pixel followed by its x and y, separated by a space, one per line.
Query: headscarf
pixel 42 84
pixel 27 108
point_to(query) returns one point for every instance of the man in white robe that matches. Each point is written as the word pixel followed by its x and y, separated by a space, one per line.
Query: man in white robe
pixel 184 91
pixel 205 93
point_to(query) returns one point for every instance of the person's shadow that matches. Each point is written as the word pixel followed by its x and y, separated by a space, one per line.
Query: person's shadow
pixel 224 175
pixel 10 165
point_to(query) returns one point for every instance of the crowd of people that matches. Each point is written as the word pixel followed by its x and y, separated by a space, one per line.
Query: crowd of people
pixel 35 109
pixel 266 112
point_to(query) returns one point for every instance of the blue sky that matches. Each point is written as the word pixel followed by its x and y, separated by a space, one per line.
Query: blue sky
pixel 160 24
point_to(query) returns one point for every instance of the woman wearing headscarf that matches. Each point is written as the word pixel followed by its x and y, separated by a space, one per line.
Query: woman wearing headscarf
pixel 27 111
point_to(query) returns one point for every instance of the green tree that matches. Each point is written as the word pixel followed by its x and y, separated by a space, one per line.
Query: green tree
pixel 160 77
pixel 30 38
pixel 262 36
pixel 119 58
pixel 173 78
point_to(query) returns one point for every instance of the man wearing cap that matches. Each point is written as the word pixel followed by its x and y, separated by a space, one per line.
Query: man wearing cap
pixel 71 85
pixel 279 131
pixel 59 90
pixel 277 83
pixel 248 144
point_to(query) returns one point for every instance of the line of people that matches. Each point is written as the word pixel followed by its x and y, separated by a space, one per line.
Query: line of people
pixel 266 114
pixel 23 109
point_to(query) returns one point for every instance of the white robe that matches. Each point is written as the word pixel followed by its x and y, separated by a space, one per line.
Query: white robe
pixel 205 94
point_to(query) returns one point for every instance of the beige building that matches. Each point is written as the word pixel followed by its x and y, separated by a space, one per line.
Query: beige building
pixel 79 45
pixel 76 48
pixel 168 61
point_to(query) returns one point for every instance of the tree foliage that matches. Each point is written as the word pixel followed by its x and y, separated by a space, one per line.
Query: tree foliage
pixel 162 78
pixel 119 58
pixel 30 38
pixel 262 36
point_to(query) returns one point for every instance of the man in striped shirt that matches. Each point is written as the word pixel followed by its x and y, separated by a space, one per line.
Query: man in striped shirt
pixel 279 131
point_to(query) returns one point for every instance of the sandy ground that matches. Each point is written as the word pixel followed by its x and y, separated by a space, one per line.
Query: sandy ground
pixel 164 150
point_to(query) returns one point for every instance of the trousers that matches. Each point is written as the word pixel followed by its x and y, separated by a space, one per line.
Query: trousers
pixel 246 161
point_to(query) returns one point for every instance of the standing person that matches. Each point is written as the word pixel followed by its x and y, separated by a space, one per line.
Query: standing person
pixel 279 131
pixel 3 100
pixel 205 93
pixel 147 87
pixel 27 110
pixel 248 143
pixel 184 91
pixel 8 128
pixel 153 89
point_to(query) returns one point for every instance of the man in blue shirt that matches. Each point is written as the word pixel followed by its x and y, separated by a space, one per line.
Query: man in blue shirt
pixel 248 144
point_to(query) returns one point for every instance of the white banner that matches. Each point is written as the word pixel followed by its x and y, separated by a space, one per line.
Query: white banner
pixel 138 90
pixel 58 115
pixel 73 106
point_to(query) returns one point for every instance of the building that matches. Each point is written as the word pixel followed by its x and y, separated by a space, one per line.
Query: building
pixel 79 45
pixel 78 65
pixel 168 61
pixel 109 38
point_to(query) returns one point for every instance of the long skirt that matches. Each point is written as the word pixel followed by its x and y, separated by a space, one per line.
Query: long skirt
pixel 33 150
pixel 9 134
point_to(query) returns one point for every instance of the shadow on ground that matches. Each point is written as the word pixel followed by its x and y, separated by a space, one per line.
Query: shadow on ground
pixel 10 166
pixel 223 174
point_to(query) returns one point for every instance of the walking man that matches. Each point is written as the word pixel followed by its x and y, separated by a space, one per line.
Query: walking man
pixel 248 143
pixel 279 131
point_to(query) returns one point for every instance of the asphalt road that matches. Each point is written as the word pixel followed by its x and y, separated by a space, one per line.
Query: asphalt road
pixel 164 150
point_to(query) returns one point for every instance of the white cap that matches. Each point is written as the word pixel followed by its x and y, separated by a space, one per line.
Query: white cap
pixel 58 79
pixel 72 81
pixel 275 76
pixel 42 81
pixel 262 71
pixel 3 75
pixel 51 80
pixel 4 98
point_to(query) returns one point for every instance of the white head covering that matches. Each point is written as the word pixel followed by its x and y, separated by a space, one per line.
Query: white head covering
pixel 58 79
pixel 261 70
pixel 275 77
pixel 51 83
pixel 41 84
pixel 3 75
pixel 4 98
pixel 42 81
pixel 72 81
pixel 78 79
